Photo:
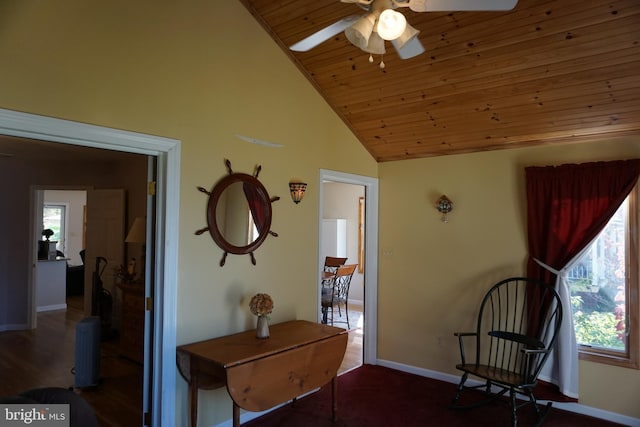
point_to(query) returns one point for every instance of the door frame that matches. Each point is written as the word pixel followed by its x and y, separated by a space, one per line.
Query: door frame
pixel 167 151
pixel 370 340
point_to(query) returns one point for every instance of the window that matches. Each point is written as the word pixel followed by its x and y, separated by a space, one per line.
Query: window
pixel 54 218
pixel 604 292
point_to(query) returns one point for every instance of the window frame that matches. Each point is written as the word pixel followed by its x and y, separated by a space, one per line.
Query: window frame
pixel 629 358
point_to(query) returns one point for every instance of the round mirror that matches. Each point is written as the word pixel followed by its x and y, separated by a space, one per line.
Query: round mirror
pixel 238 214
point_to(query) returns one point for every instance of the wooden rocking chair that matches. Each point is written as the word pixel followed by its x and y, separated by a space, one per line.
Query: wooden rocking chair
pixel 517 325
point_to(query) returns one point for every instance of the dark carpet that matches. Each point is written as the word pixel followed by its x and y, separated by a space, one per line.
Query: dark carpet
pixel 375 396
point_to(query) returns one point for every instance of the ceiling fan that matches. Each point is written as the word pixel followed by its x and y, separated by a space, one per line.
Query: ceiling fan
pixel 383 23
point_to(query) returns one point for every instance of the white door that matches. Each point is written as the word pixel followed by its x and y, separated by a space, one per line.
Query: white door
pixel 104 238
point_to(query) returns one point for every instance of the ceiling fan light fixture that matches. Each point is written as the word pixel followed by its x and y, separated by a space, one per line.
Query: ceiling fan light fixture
pixel 375 45
pixel 407 35
pixel 360 32
pixel 391 24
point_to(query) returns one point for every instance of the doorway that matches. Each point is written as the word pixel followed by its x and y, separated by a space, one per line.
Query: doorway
pixel 159 400
pixel 340 229
pixel 58 211
pixel 366 253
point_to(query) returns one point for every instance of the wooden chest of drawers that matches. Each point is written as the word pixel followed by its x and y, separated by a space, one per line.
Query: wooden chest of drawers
pixel 132 323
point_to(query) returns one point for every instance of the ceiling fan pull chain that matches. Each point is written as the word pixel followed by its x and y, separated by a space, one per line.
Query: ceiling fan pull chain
pixel 381 60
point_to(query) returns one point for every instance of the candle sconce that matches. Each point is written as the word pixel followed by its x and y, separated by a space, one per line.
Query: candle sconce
pixel 444 206
pixel 297 190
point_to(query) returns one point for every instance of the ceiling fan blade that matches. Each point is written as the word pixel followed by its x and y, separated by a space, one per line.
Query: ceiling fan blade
pixel 410 49
pixel 455 5
pixel 323 35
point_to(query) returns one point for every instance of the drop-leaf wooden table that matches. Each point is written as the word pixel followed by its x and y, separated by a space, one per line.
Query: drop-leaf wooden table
pixel 299 356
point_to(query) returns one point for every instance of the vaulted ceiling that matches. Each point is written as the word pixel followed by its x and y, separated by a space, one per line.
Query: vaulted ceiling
pixel 546 72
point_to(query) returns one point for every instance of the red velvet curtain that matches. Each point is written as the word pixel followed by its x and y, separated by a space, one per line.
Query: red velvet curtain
pixel 568 205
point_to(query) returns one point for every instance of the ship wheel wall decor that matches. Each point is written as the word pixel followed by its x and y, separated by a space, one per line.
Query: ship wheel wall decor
pixel 238 213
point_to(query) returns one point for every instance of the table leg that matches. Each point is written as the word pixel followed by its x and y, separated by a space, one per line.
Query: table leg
pixel 334 399
pixel 236 415
pixel 193 392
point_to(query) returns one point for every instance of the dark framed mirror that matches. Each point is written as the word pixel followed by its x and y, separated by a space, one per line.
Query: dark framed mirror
pixel 238 213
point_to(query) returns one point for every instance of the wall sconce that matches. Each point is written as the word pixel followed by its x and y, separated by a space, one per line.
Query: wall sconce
pixel 297 190
pixel 444 206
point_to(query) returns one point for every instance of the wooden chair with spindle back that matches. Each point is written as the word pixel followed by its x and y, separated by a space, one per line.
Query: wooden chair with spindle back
pixel 516 328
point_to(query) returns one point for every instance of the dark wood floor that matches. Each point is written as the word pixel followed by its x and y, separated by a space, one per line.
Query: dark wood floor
pixel 44 357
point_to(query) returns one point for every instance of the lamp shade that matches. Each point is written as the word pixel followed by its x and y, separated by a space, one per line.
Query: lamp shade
pixel 375 45
pixel 391 24
pixel 407 35
pixel 358 33
pixel 137 232
pixel 297 190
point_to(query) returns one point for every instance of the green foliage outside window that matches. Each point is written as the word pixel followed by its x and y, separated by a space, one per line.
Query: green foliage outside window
pixel 596 328
pixel 597 285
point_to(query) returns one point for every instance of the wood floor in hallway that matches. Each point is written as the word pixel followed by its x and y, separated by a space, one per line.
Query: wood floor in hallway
pixel 353 357
pixel 45 357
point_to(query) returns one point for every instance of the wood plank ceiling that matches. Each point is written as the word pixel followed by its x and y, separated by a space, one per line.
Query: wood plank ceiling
pixel 545 72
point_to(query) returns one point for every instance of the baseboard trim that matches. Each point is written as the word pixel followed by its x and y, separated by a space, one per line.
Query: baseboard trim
pixel 14 327
pixel 247 416
pixel 565 406
pixel 356 303
pixel 51 307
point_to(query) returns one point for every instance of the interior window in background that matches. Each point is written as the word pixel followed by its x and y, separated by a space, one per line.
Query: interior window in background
pixel 54 218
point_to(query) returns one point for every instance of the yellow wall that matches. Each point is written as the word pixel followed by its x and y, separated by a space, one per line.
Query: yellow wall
pixel 433 275
pixel 200 72
pixel 204 71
